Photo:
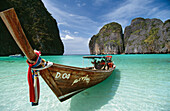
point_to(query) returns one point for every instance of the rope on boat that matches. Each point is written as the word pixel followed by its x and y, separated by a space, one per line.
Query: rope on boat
pixel 33 80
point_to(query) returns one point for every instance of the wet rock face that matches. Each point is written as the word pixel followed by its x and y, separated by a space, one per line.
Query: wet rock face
pixel 147 36
pixel 39 26
pixel 109 40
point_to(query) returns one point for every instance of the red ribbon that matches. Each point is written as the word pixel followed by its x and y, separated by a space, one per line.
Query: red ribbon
pixel 31 81
pixel 31 84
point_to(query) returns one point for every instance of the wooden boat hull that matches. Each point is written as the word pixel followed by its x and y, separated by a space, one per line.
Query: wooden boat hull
pixel 66 81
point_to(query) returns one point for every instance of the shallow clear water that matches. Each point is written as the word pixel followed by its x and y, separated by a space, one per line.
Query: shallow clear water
pixel 139 83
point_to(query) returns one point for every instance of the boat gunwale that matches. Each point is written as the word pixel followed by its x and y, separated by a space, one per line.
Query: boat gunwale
pixel 82 69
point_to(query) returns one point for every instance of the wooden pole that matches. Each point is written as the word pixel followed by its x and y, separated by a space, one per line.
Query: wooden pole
pixel 12 23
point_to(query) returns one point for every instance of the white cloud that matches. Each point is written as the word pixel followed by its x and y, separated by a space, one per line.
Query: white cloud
pixel 99 2
pixel 163 15
pixel 81 5
pixel 152 11
pixel 66 31
pixel 76 32
pixel 88 41
pixel 78 45
pixel 72 24
pixel 129 9
pixel 135 8
pixel 62 23
pixel 67 37
pixel 71 20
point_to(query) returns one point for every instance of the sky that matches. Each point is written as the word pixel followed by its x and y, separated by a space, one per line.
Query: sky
pixel 79 20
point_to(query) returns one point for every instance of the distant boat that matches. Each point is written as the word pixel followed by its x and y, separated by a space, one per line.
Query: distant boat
pixel 16 56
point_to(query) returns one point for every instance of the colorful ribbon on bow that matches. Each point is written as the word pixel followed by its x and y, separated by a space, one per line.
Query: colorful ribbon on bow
pixel 33 80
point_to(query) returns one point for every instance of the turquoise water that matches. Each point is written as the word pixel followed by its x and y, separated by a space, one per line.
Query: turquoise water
pixel 139 83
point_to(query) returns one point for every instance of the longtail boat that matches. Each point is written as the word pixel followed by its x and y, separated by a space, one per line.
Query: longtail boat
pixel 64 81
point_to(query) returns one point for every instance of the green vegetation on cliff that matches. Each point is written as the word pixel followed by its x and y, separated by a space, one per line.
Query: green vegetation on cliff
pixel 153 35
pixel 111 27
pixel 109 40
pixel 142 36
pixel 147 36
pixel 39 26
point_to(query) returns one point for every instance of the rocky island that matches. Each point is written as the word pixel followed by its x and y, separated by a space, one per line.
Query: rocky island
pixel 142 36
pixel 39 26
pixel 109 40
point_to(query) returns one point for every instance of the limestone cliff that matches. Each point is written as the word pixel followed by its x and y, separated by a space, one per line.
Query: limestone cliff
pixel 39 26
pixel 109 40
pixel 142 36
pixel 147 36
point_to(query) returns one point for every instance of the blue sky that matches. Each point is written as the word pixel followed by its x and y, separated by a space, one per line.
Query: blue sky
pixel 79 20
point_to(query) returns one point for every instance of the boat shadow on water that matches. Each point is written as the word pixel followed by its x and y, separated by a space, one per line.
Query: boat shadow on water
pixel 96 97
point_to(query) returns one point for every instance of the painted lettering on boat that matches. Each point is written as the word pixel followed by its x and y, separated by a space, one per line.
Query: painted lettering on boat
pixel 86 79
pixel 63 76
